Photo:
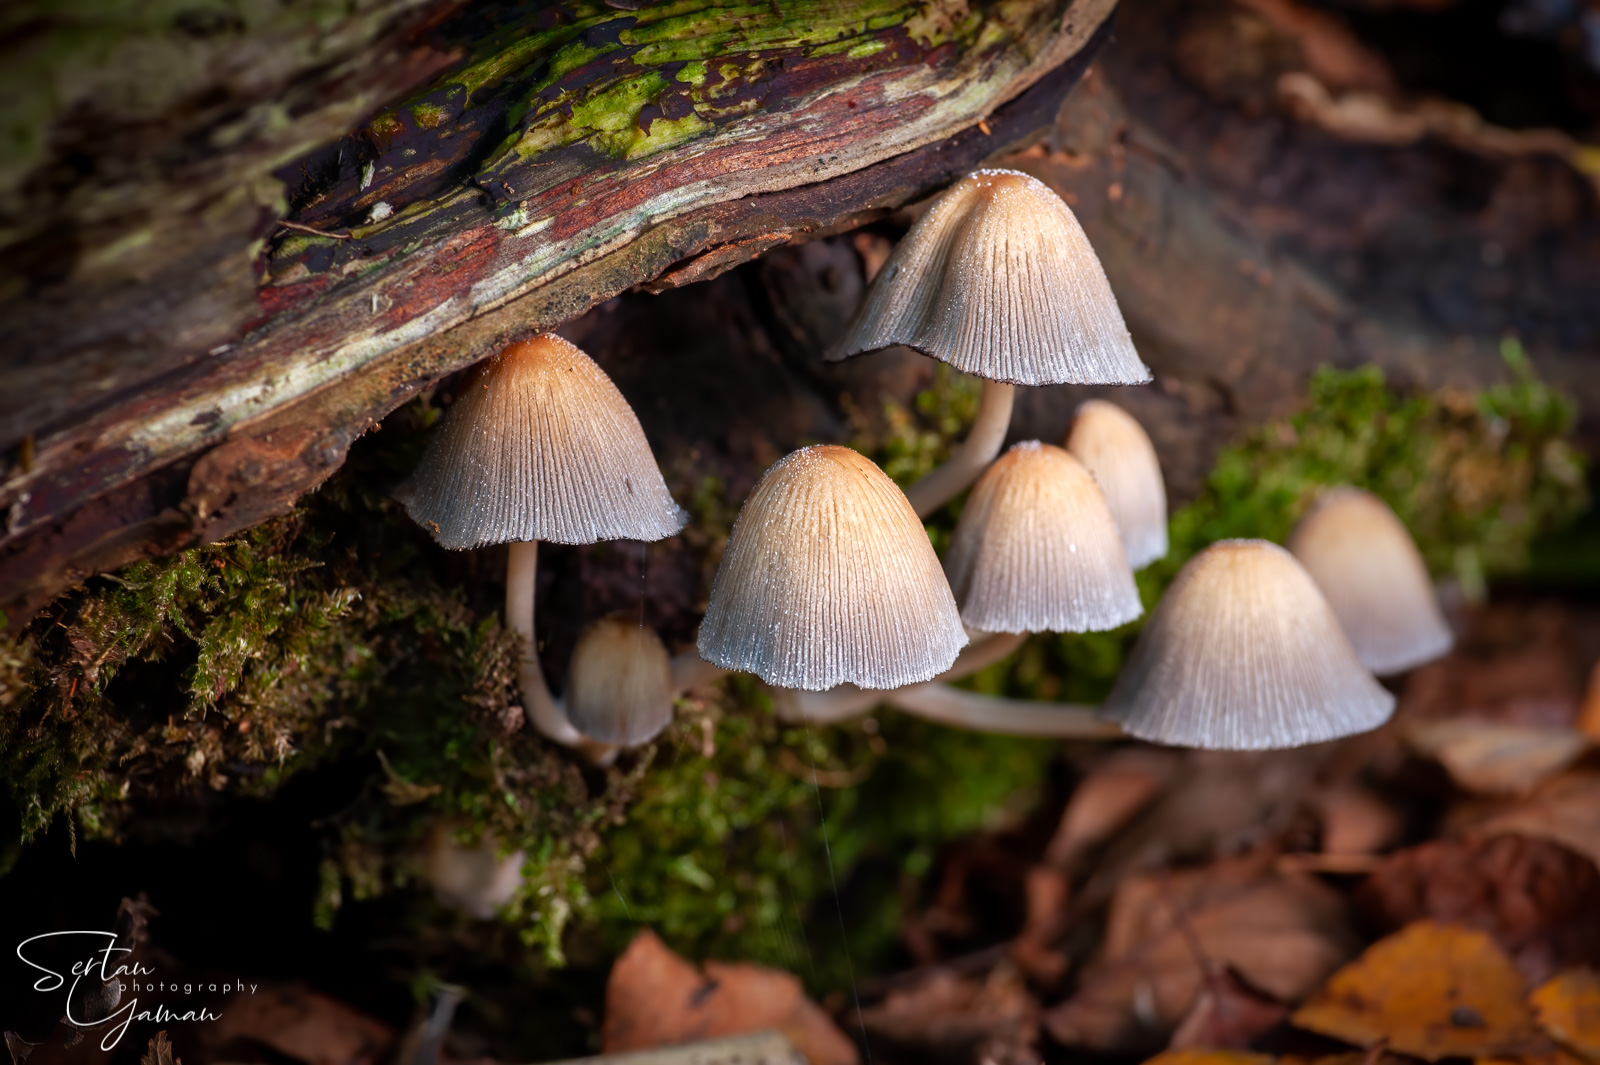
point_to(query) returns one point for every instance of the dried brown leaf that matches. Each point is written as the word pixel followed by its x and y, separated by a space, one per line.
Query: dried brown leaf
pixel 1566 811
pixel 946 1016
pixel 1281 933
pixel 656 998
pixel 305 1025
pixel 1494 758
pixel 1431 990
pixel 1535 898
pixel 1568 1008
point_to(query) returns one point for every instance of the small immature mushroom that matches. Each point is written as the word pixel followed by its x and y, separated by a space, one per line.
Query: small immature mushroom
pixel 1036 549
pixel 1243 653
pixel 1373 576
pixel 829 579
pixel 476 880
pixel 620 685
pixel 540 445
pixel 1116 449
pixel 998 280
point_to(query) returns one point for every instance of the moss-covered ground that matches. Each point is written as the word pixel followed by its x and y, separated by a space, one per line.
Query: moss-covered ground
pixel 339 637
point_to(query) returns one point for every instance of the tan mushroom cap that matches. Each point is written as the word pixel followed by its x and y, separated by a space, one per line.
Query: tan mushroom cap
pixel 1036 549
pixel 829 578
pixel 998 279
pixel 1243 653
pixel 619 686
pixel 540 445
pixel 1373 576
pixel 1117 451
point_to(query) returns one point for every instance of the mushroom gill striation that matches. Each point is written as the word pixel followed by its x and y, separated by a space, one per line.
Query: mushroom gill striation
pixel 1036 549
pixel 540 445
pixel 1243 653
pixel 828 579
pixel 1370 571
pixel 998 279
pixel 619 685
pixel 1114 447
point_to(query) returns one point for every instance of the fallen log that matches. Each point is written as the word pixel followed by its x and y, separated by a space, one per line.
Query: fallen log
pixel 580 152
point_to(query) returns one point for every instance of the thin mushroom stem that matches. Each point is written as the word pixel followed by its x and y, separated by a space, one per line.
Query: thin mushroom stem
pixel 847 700
pixel 997 714
pixel 543 709
pixel 973 456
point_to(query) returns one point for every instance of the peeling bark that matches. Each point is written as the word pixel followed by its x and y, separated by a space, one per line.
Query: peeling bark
pixel 582 152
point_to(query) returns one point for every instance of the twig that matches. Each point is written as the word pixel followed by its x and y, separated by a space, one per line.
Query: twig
pixel 298 228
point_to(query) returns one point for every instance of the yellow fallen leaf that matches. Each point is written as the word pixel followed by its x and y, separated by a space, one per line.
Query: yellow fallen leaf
pixel 1568 1007
pixel 1430 990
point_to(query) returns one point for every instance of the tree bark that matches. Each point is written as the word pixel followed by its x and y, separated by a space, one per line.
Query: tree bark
pixel 577 152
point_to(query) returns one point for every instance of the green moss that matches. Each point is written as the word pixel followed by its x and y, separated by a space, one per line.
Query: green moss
pixel 339 637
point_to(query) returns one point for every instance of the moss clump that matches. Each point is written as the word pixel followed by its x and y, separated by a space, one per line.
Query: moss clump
pixel 339 640
pixel 1475 477
pixel 743 824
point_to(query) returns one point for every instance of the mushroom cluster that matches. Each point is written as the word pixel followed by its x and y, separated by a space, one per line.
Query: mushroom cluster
pixel 829 589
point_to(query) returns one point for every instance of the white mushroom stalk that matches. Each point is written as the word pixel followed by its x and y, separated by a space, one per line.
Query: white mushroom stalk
pixel 540 445
pixel 544 711
pixel 973 456
pixel 998 279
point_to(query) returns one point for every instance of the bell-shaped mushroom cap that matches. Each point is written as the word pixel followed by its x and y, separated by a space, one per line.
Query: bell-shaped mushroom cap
pixel 1116 449
pixel 619 686
pixel 997 279
pixel 829 578
pixel 1036 549
pixel 1243 654
pixel 540 445
pixel 1373 576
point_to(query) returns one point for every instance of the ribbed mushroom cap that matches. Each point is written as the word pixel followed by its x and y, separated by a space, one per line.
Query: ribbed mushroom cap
pixel 829 578
pixel 619 686
pixel 1243 653
pixel 540 445
pixel 1373 576
pixel 1116 449
pixel 1036 549
pixel 997 279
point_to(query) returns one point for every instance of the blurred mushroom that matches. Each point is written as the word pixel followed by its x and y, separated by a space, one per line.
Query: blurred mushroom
pixel 619 686
pixel 1036 549
pixel 1116 449
pixel 1243 653
pixel 540 445
pixel 476 878
pixel 829 579
pixel 998 280
pixel 1373 576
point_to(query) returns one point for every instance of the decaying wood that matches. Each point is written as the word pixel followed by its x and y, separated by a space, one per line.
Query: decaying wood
pixel 657 147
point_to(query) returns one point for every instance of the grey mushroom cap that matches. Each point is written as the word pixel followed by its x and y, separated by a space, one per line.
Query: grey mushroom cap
pixel 828 579
pixel 540 445
pixel 1114 447
pixel 1243 653
pixel 998 279
pixel 1036 549
pixel 1369 569
pixel 619 685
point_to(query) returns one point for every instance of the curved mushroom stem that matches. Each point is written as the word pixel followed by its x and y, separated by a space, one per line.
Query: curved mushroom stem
pixel 543 709
pixel 997 714
pixel 973 456
pixel 847 700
